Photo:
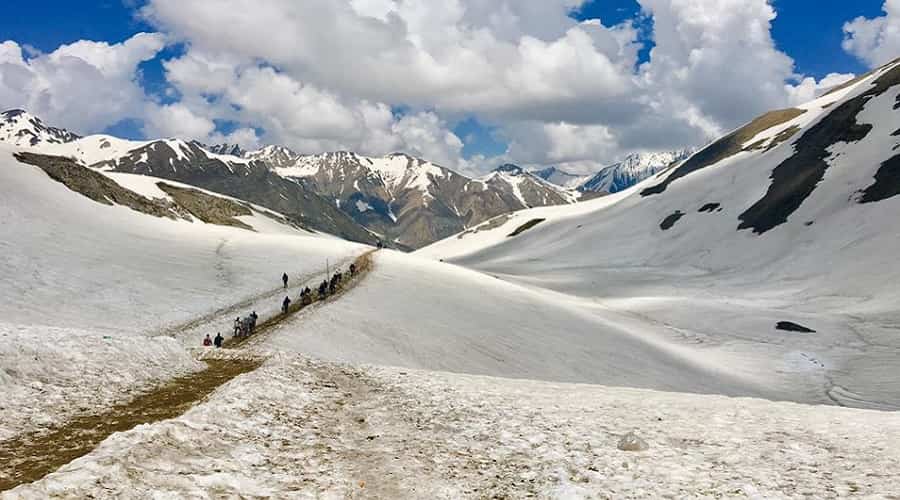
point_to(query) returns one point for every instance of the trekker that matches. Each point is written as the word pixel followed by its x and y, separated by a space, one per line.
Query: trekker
pixel 253 319
pixel 285 305
pixel 237 326
pixel 207 341
pixel 218 340
pixel 323 289
pixel 284 278
pixel 352 269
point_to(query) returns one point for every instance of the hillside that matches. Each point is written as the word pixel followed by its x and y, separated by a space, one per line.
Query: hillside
pixel 784 222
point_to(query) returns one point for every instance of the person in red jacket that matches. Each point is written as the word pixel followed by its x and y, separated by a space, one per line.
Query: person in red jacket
pixel 207 341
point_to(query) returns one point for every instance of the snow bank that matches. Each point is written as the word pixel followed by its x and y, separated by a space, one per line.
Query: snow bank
pixel 50 374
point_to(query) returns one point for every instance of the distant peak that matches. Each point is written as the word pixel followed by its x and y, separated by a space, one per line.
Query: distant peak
pixel 509 168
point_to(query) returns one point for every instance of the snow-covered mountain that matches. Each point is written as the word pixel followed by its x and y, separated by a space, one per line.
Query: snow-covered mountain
pixel 630 171
pixel 412 201
pixel 409 202
pixel 218 169
pixel 559 177
pixel 772 250
pixel 20 128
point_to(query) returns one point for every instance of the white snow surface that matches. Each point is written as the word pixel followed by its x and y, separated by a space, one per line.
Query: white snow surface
pixel 298 428
pixel 49 374
pixel 73 265
pixel 705 285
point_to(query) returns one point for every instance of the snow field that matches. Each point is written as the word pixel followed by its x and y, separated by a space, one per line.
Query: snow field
pixel 300 428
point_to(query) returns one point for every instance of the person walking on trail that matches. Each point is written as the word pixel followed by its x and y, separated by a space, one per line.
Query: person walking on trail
pixel 284 278
pixel 285 305
pixel 207 341
pixel 218 340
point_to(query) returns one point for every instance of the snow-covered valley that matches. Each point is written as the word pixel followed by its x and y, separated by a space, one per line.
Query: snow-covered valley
pixel 506 361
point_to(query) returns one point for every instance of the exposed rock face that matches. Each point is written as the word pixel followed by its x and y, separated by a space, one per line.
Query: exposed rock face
pixel 97 186
pixel 248 180
pixel 208 208
pixel 22 129
pixel 226 149
pixel 414 202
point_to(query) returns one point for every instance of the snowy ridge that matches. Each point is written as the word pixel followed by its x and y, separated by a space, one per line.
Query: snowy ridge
pixel 630 171
pixel 721 240
pixel 22 129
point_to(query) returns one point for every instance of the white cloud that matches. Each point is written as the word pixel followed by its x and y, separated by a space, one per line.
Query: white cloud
pixel 875 41
pixel 326 74
pixel 85 86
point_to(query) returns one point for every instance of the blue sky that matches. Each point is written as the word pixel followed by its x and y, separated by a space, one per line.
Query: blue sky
pixel 809 31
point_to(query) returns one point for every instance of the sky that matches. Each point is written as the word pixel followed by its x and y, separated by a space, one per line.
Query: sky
pixel 469 84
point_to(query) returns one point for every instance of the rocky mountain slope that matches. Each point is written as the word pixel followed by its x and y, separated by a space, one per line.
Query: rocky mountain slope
pixel 406 201
pixel 630 171
pixel 771 251
pixel 189 163
pixel 410 201
pixel 249 180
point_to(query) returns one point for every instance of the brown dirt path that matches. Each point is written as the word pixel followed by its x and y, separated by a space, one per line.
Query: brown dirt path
pixel 30 457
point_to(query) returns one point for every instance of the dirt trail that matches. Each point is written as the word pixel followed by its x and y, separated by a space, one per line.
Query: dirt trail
pixel 30 457
pixel 363 266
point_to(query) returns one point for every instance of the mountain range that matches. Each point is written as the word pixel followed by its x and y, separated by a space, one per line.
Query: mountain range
pixel 407 202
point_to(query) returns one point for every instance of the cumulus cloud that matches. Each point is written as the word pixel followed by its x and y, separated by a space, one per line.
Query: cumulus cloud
pixel 320 75
pixel 875 41
pixel 86 86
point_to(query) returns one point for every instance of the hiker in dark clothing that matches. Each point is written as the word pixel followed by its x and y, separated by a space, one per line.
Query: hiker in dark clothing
pixel 323 288
pixel 284 278
pixel 253 318
pixel 207 341
pixel 352 270
pixel 285 305
pixel 218 340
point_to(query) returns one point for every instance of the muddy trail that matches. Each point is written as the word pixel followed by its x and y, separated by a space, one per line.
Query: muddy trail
pixel 29 457
pixel 363 265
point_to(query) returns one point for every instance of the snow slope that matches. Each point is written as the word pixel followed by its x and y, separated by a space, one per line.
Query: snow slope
pixel 82 283
pixel 675 260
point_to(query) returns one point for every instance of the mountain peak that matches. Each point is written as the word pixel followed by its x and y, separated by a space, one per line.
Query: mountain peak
pixel 509 168
pixel 24 129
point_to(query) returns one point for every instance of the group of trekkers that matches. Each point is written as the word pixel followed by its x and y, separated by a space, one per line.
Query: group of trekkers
pixel 244 327
pixel 207 342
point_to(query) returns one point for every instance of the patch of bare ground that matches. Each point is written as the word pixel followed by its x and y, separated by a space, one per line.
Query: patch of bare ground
pixel 525 227
pixel 208 208
pixel 30 457
pixel 728 146
pixel 97 186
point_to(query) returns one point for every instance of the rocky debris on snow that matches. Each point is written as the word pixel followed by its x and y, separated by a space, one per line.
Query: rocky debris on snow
pixel 887 181
pixel 525 227
pixel 670 221
pixel 797 177
pixel 711 207
pixel 790 326
pixel 632 442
